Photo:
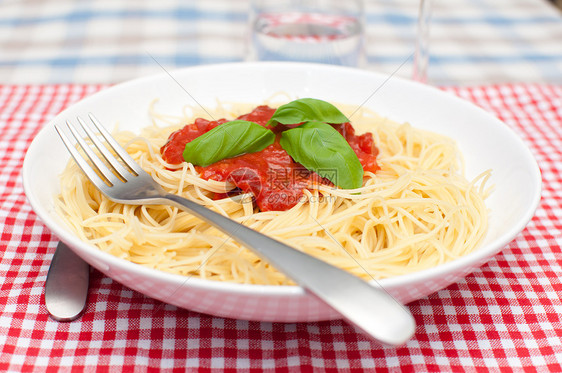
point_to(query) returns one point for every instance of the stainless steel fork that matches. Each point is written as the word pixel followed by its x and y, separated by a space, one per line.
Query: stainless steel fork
pixel 369 307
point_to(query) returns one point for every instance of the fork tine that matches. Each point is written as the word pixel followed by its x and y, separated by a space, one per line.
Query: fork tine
pixel 130 162
pixel 104 150
pixel 98 163
pixel 79 159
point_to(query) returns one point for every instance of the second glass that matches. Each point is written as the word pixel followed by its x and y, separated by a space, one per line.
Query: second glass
pixel 421 53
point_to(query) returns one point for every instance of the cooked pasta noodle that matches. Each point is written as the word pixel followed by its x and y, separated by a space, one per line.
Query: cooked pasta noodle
pixel 416 212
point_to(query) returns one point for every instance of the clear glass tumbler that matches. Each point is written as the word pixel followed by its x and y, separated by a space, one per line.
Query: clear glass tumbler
pixel 321 31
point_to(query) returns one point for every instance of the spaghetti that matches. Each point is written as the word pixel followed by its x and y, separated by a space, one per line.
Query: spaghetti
pixel 417 211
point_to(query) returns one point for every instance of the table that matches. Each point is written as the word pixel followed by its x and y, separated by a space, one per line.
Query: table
pixel 504 316
pixel 105 41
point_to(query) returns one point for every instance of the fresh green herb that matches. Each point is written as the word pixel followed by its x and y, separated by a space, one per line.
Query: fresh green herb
pixel 307 109
pixel 322 149
pixel 226 141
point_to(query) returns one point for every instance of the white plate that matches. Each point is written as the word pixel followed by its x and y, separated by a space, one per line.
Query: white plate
pixel 485 142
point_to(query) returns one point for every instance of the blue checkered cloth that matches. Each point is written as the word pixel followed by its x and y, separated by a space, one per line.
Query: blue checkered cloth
pixel 108 41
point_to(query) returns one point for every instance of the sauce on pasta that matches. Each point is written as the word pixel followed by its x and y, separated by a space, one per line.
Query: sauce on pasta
pixel 274 179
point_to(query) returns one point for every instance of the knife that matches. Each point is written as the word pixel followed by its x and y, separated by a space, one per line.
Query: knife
pixel 66 287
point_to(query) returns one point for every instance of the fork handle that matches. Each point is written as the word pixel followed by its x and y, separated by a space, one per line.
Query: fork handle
pixel 370 308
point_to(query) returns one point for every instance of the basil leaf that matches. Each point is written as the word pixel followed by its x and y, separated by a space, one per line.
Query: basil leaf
pixel 307 109
pixel 322 149
pixel 226 141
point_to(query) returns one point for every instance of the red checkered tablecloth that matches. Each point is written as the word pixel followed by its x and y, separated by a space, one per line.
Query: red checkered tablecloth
pixel 506 315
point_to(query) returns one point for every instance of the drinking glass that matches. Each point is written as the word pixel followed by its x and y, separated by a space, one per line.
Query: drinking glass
pixel 321 31
pixel 421 53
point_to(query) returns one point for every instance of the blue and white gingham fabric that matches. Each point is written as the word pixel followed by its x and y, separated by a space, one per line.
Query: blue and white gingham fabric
pixel 108 41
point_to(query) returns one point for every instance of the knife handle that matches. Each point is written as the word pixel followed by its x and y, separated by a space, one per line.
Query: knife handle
pixel 66 286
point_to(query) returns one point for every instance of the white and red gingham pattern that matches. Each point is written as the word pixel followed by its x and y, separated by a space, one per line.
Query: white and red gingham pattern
pixel 504 316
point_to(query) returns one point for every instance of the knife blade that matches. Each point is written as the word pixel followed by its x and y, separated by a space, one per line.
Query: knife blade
pixel 66 286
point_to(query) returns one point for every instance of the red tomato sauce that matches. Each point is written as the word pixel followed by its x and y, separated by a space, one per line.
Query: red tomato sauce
pixel 276 181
